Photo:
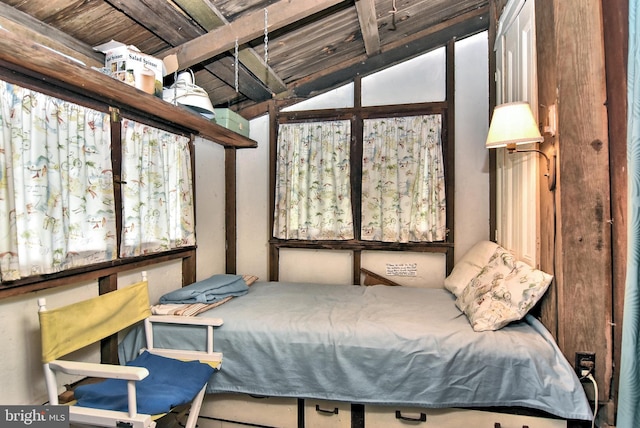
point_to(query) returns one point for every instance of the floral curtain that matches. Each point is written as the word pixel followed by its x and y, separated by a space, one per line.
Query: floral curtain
pixel 629 389
pixel 313 192
pixel 157 193
pixel 56 185
pixel 403 186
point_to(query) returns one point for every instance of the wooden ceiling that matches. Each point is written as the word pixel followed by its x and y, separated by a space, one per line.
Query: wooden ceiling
pixel 311 45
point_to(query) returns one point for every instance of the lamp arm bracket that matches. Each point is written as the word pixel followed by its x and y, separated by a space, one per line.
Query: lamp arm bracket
pixel 551 164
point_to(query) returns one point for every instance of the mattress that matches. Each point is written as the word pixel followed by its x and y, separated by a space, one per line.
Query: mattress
pixel 379 345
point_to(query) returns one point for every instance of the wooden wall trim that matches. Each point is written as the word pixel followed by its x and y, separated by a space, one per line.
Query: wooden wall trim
pixel 230 210
pixel 548 218
pixel 583 256
pixel 108 345
pixel 274 252
pixel 449 154
pixel 616 29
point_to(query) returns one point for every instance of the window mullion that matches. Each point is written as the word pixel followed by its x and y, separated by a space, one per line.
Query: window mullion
pixel 356 174
pixel 116 161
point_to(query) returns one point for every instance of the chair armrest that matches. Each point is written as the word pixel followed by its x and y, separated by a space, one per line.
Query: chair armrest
pixel 99 370
pixel 214 359
pixel 176 319
pixel 209 323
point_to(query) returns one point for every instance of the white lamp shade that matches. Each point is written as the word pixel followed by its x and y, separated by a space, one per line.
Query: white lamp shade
pixel 511 124
pixel 186 93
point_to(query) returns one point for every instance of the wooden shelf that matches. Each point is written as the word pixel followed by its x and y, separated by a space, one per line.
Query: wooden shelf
pixel 25 56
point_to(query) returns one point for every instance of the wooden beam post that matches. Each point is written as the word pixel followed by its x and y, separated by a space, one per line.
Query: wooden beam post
pixel 571 66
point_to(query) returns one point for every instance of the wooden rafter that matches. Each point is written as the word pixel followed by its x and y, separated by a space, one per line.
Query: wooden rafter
pixel 465 24
pixel 27 27
pixel 209 18
pixel 245 29
pixel 368 26
pixel 183 28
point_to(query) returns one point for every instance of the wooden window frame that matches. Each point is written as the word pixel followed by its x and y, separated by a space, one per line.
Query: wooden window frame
pixel 105 273
pixel 357 114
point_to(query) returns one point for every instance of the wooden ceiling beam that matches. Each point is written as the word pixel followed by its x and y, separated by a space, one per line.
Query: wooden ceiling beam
pixel 250 87
pixel 28 28
pixel 168 23
pixel 184 27
pixel 210 18
pixel 246 28
pixel 463 25
pixel 368 26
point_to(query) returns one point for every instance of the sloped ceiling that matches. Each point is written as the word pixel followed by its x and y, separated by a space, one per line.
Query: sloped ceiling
pixel 309 46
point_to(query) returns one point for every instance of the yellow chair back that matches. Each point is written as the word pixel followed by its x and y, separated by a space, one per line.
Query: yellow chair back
pixel 69 328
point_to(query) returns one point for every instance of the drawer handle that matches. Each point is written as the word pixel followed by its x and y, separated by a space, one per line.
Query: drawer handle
pixel 421 418
pixel 329 412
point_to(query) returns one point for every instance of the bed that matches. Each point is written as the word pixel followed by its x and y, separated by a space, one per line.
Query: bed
pixel 379 347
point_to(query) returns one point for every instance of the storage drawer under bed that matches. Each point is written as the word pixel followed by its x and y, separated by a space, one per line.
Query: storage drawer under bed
pixel 326 414
pixel 403 417
pixel 246 409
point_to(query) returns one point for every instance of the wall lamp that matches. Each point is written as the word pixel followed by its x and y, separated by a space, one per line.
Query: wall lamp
pixel 513 124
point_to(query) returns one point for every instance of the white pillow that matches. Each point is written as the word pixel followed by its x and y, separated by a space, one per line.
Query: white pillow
pixel 502 292
pixel 469 266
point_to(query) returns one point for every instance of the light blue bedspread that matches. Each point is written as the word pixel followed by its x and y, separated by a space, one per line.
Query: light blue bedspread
pixel 380 345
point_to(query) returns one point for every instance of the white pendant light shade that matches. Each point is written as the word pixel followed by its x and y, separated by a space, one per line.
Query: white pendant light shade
pixel 186 93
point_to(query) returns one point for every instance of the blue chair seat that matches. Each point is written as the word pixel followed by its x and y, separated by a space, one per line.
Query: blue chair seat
pixel 170 383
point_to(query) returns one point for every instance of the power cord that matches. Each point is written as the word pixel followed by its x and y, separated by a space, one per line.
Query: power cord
pixel 587 374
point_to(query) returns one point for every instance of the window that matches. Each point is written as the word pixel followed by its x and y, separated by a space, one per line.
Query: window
pixel 400 180
pixel 313 194
pixel 56 185
pixel 403 187
pixel 157 190
pixel 57 189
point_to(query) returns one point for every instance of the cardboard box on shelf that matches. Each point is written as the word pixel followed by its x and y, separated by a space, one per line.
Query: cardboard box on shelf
pixel 232 120
pixel 129 65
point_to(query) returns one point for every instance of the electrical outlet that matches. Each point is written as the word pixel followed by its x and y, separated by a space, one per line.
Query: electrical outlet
pixel 585 363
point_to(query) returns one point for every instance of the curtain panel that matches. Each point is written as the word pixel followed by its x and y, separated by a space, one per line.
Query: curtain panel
pixel 313 190
pixel 157 193
pixel 403 186
pixel 629 391
pixel 56 185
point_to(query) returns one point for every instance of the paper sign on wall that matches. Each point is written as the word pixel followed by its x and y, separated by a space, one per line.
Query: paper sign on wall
pixel 402 269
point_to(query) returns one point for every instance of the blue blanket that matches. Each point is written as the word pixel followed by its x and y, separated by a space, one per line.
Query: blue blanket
pixel 209 290
pixel 170 383
pixel 380 345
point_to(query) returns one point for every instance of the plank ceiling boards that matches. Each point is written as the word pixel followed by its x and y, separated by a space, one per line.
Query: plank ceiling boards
pixel 313 45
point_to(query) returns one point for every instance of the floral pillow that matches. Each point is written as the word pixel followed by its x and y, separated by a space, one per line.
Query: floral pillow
pixel 469 266
pixel 502 292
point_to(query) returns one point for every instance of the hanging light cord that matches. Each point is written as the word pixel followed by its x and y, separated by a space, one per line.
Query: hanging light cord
pixel 236 65
pixel 266 35
pixel 393 12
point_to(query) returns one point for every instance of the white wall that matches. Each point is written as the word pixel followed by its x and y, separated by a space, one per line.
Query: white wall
pixel 21 372
pixel 210 230
pixel 472 158
pixel 471 186
pixel 21 369
pixel 253 202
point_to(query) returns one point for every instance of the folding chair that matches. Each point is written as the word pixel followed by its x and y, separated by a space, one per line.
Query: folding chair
pixel 132 396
